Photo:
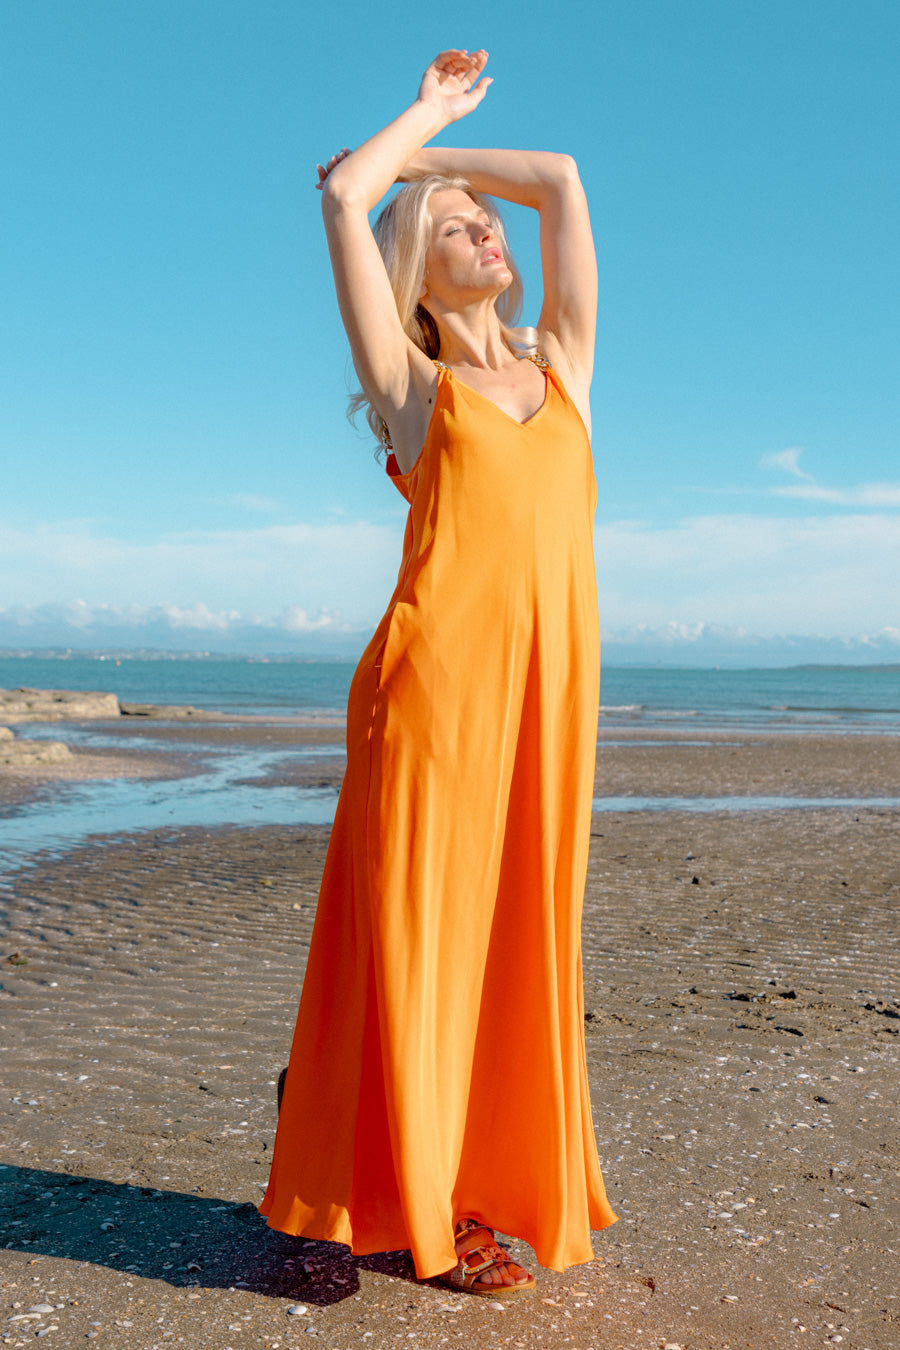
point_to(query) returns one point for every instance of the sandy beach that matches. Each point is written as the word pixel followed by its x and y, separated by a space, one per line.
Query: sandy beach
pixel 742 1021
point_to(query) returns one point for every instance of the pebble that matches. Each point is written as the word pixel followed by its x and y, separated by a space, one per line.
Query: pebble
pixel 671 1345
pixel 42 1308
pixel 297 1310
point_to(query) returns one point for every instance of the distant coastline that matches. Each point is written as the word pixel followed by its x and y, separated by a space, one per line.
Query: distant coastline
pixel 616 662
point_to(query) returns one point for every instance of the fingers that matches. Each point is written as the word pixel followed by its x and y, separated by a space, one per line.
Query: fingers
pixel 481 88
pixel 460 64
pixel 323 170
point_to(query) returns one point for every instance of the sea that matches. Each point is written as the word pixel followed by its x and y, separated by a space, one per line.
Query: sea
pixel 796 698
pixel 639 704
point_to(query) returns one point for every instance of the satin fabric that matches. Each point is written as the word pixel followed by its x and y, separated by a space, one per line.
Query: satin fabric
pixel 438 1067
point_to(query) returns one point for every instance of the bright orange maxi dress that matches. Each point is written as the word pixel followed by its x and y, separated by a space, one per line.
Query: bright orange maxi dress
pixel 438 1066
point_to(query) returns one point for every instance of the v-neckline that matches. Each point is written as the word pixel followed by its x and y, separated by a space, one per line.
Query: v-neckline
pixel 496 406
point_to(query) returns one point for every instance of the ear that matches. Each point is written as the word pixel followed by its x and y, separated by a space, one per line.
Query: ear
pixel 423 292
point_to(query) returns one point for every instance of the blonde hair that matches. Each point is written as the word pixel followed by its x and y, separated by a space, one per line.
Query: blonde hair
pixel 403 233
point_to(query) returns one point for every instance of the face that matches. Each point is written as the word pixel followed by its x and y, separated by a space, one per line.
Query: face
pixel 464 261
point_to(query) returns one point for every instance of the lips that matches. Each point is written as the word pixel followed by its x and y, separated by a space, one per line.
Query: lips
pixel 492 255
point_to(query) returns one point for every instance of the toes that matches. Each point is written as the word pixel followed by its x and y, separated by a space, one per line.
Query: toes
pixel 508 1273
pixel 490 1277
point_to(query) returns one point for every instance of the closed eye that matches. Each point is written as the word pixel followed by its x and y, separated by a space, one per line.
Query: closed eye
pixel 453 227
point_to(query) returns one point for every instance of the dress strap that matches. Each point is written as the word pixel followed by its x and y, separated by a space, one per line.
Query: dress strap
pixel 536 357
pixel 540 361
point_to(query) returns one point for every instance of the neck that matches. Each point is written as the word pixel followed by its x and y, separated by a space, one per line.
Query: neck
pixel 472 337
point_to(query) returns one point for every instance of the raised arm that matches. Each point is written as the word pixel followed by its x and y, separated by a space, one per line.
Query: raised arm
pixel 548 183
pixel 391 369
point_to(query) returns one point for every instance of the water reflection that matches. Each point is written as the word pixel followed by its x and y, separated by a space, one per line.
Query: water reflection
pixel 738 803
pixel 224 793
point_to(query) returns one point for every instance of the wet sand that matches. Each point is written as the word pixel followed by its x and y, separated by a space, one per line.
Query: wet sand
pixel 742 1033
pixel 630 762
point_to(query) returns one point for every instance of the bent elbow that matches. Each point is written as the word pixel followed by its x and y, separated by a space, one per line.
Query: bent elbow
pixel 557 178
pixel 566 170
pixel 339 196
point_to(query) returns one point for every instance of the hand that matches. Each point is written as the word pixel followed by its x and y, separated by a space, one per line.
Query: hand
pixel 449 83
pixel 323 170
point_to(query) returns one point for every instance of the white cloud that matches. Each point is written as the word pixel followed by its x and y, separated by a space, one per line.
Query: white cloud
pixel 169 628
pixel 249 501
pixel 351 566
pixel 198 617
pixel 768 574
pixel 831 574
pixel 786 460
pixel 295 620
pixel 808 489
pixel 177 628
pixel 866 494
pixel 702 644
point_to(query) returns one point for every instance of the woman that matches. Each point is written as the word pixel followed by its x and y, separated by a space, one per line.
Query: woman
pixel 437 1084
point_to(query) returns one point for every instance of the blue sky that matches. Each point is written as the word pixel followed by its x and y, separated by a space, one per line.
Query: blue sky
pixel 176 463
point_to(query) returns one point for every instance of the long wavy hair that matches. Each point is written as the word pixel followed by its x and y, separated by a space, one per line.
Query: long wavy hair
pixel 403 233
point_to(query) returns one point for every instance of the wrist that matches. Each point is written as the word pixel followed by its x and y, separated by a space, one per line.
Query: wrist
pixel 433 115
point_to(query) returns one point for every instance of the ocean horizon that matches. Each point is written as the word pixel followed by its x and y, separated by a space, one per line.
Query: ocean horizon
pixel 814 697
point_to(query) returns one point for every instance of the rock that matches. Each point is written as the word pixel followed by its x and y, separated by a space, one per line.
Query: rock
pixel 162 712
pixel 296 1310
pixel 55 705
pixel 14 752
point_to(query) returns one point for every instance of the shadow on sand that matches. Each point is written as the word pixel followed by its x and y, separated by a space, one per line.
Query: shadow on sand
pixel 172 1236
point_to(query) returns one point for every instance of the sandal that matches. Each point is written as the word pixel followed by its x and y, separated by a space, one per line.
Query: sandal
pixel 465 1275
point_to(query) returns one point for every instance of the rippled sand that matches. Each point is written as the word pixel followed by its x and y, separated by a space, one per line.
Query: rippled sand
pixel 742 1015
